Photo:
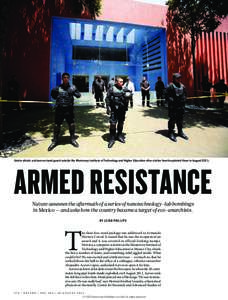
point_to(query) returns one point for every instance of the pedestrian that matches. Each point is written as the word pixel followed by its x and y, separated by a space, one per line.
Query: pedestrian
pixel 206 86
pixel 117 104
pixel 129 86
pixel 98 88
pixel 221 88
pixel 160 88
pixel 111 82
pixel 64 109
pixel 145 91
pixel 176 98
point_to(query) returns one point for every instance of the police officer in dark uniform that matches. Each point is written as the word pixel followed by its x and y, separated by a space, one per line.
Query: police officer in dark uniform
pixel 98 88
pixel 160 88
pixel 221 88
pixel 64 109
pixel 117 104
pixel 176 98
pixel 145 91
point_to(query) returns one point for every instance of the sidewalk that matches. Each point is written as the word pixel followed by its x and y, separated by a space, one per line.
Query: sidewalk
pixel 146 136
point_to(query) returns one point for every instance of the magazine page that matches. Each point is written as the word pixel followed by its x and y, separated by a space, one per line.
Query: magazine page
pixel 113 228
pixel 113 150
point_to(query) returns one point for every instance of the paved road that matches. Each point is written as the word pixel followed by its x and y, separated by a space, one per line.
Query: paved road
pixel 146 136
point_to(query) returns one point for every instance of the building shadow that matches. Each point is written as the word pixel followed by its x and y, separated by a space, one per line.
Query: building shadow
pixel 65 140
pixel 89 121
pixel 105 137
pixel 156 112
pixel 163 132
pixel 40 120
pixel 34 120
pixel 207 118
pixel 194 117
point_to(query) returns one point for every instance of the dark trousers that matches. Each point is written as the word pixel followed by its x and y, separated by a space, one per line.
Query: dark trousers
pixel 221 101
pixel 61 114
pixel 99 98
pixel 178 122
pixel 176 116
pixel 160 99
pixel 117 117
pixel 131 101
pixel 145 95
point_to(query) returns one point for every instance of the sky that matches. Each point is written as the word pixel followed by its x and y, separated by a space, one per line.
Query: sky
pixel 154 1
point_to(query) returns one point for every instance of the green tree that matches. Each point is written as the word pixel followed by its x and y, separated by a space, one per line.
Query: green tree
pixel 196 16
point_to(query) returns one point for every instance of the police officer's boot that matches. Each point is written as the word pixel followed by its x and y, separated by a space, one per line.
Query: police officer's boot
pixel 180 130
pixel 112 131
pixel 143 102
pixel 183 135
pixel 72 136
pixel 120 136
pixel 148 103
pixel 55 138
pixel 172 136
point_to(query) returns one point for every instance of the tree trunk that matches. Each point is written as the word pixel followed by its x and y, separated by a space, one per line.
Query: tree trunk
pixel 1 124
pixel 1 113
pixel 193 48
pixel 4 9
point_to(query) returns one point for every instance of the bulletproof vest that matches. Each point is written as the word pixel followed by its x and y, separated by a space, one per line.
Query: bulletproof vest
pixel 117 96
pixel 178 94
pixel 179 91
pixel 65 97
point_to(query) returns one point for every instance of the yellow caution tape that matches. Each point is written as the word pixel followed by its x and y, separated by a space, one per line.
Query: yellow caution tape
pixel 33 101
pixel 78 102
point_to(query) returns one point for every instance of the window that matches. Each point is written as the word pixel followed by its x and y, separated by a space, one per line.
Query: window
pixel 81 82
pixel 96 53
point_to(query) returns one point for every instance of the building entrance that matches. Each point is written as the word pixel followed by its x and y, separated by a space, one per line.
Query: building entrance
pixel 86 48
